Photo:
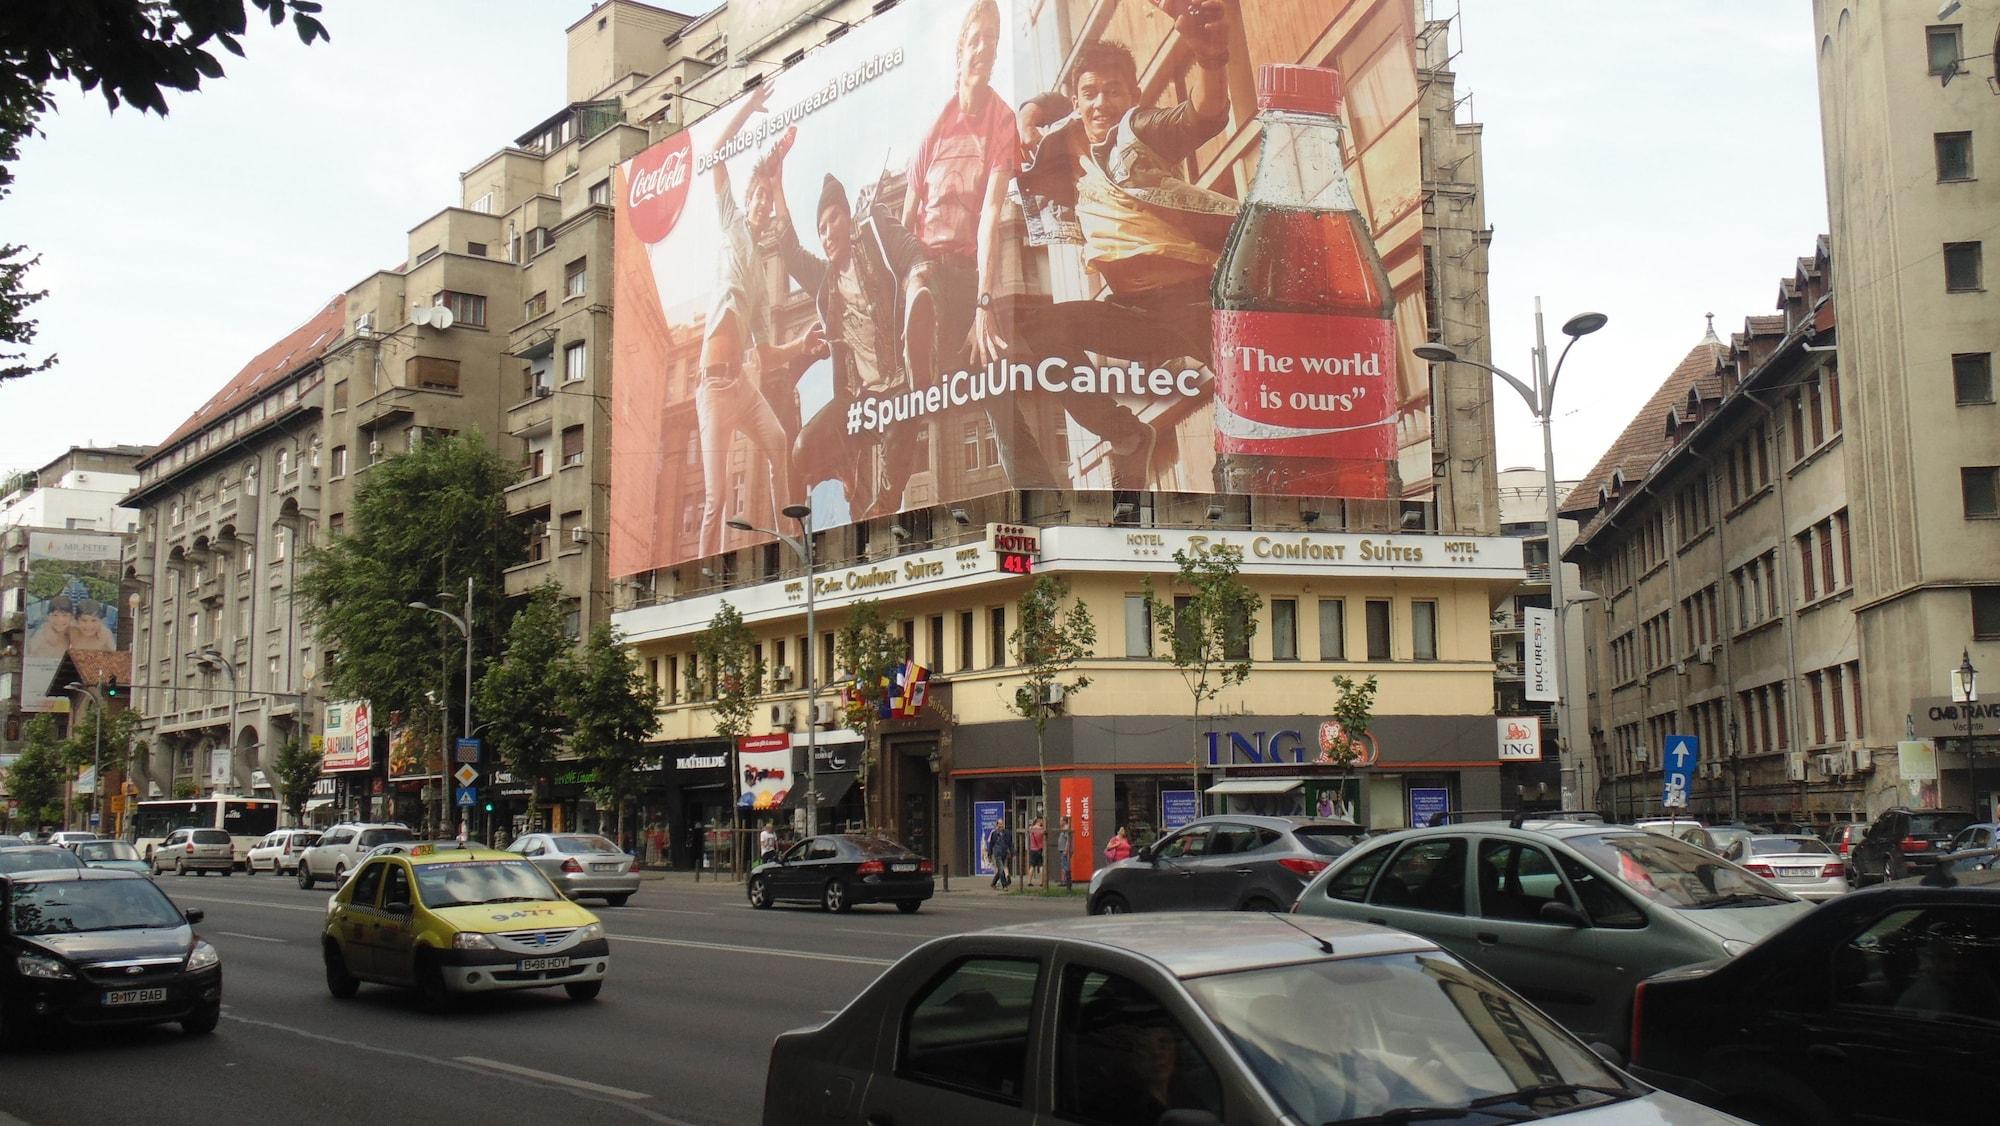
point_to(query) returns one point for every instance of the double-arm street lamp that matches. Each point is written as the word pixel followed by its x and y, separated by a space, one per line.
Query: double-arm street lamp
pixel 802 546
pixel 1541 403
pixel 96 692
pixel 464 625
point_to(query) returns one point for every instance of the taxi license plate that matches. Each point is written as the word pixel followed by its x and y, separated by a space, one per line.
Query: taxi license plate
pixel 902 867
pixel 135 996
pixel 1797 873
pixel 612 867
pixel 526 964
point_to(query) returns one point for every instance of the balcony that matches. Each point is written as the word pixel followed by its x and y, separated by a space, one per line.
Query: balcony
pixel 1538 574
pixel 523 579
pixel 530 492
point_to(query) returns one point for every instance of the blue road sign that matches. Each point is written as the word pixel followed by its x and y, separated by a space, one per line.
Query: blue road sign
pixel 1678 760
pixel 467 751
pixel 467 795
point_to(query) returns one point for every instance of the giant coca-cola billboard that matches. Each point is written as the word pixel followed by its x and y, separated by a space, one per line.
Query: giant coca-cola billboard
pixel 978 246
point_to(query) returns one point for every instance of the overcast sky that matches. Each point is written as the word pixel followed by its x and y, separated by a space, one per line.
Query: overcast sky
pixel 1654 160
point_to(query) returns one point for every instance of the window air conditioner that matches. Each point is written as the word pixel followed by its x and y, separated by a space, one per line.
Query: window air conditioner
pixel 374 447
pixel 543 390
pixel 579 534
pixel 1795 766
pixel 1704 654
pixel 781 675
pixel 823 713
pixel 1860 760
pixel 784 715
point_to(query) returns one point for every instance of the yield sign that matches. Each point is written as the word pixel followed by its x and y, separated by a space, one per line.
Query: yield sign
pixel 466 775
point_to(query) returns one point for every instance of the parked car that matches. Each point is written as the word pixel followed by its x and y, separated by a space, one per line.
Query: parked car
pixel 194 850
pixel 20 857
pixel 1569 916
pixel 1959 863
pixel 1904 842
pixel 1800 864
pixel 1693 832
pixel 94 949
pixel 1843 837
pixel 840 870
pixel 1223 863
pixel 279 851
pixel 1194 1019
pixel 1881 1006
pixel 116 856
pixel 1729 841
pixel 1985 834
pixel 449 919
pixel 69 838
pixel 340 849
pixel 582 864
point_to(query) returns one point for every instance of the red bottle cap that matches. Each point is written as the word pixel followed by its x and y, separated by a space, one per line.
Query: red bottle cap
pixel 1300 89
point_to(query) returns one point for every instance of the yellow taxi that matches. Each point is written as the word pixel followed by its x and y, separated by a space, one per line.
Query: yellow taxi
pixel 448 919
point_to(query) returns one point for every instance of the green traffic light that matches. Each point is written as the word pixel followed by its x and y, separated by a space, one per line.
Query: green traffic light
pixel 489 807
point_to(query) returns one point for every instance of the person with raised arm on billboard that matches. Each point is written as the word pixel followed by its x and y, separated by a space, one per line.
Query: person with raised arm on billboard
pixel 1112 168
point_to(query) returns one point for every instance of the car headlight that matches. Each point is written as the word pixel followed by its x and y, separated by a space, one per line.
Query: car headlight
pixel 1735 948
pixel 46 969
pixel 594 930
pixel 471 940
pixel 203 957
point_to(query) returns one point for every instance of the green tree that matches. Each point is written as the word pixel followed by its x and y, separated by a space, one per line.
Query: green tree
pixel 615 708
pixel 82 748
pixel 1205 624
pixel 1352 712
pixel 524 695
pixel 36 779
pixel 1049 642
pixel 726 670
pixel 294 773
pixel 868 648
pixel 130 51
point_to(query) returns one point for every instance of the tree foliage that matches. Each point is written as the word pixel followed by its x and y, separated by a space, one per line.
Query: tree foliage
pixel 121 727
pixel 132 52
pixel 294 773
pixel 421 523
pixel 523 698
pixel 1206 623
pixel 868 648
pixel 1352 712
pixel 36 778
pixel 1049 642
pixel 613 708
pixel 726 669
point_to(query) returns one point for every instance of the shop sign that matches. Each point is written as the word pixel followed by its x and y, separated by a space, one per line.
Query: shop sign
pixel 1541 672
pixel 1426 802
pixel 1256 748
pixel 1177 808
pixel 1520 738
pixel 701 762
pixel 1938 717
pixel 1075 804
pixel 985 815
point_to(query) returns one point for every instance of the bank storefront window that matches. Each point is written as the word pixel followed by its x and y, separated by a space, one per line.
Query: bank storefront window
pixel 1140 805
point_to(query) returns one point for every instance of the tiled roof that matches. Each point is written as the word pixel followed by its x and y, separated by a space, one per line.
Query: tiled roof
pixel 95 666
pixel 300 347
pixel 1645 437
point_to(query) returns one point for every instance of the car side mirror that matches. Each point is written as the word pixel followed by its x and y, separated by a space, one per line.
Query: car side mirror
pixel 1147 854
pixel 396 907
pixel 1556 911
pixel 194 915
pixel 1607 1053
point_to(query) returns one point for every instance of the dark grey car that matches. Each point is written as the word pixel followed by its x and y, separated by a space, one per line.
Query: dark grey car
pixel 1228 862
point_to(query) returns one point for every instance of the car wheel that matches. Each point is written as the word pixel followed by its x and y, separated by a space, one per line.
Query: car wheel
pixel 430 983
pixel 909 906
pixel 1111 903
pixel 306 880
pixel 584 990
pixel 340 873
pixel 203 1021
pixel 180 868
pixel 760 892
pixel 229 871
pixel 339 982
pixel 834 898
pixel 615 900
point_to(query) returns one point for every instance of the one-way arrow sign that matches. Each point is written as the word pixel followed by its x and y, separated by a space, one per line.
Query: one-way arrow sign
pixel 1679 758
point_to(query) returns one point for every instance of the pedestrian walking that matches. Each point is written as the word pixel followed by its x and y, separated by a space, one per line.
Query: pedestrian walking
pixel 1118 847
pixel 1038 838
pixel 767 844
pixel 1000 850
pixel 1065 848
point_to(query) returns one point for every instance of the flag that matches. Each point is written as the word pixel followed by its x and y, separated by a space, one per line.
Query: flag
pixel 914 687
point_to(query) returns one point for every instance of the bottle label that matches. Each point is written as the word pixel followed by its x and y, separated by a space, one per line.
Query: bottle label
pixel 1305 385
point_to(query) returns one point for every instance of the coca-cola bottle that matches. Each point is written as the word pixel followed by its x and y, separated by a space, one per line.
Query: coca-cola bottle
pixel 1305 344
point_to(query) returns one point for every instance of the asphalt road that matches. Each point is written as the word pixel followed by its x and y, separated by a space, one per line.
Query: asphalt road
pixel 700 983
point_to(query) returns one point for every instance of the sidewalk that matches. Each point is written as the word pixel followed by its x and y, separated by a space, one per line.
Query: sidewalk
pixel 960 884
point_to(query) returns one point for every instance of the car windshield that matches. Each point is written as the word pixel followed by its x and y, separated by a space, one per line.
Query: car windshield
pixel 877 846
pixel 1789 846
pixel 1938 824
pixel 1357 1039
pixel 68 906
pixel 585 844
pixel 372 837
pixel 37 859
pixel 210 837
pixel 473 882
pixel 1673 872
pixel 106 850
pixel 1328 840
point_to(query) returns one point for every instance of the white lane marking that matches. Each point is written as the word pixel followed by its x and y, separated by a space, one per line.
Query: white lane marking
pixel 319 910
pixel 662 911
pixel 546 1077
pixel 891 934
pixel 807 955
pixel 252 937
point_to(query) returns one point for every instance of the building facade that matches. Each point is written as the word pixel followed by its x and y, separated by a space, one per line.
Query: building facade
pixel 1555 780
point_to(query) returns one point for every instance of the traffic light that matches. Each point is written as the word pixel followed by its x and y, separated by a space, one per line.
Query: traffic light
pixel 489 807
pixel 112 688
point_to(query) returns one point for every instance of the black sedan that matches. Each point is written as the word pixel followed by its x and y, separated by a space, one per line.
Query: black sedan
pixel 1223 863
pixel 1881 1005
pixel 841 870
pixel 93 948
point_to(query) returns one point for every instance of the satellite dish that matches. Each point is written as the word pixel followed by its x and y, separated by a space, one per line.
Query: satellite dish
pixel 423 314
pixel 441 317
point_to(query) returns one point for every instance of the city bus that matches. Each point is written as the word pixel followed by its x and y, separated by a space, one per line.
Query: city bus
pixel 246 820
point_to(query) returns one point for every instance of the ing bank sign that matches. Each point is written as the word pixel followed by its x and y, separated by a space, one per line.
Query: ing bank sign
pixel 1286 747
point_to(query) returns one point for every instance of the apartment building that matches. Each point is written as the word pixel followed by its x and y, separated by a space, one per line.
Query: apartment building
pixel 1907 101
pixel 1556 780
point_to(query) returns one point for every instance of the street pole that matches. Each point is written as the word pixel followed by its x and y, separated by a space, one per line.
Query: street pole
pixel 812 685
pixel 97 758
pixel 1969 689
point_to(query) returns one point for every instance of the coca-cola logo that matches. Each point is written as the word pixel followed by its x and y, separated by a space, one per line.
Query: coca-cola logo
pixel 658 189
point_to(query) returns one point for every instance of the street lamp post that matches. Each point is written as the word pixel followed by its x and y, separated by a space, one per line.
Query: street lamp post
pixel 97 757
pixel 1965 691
pixel 803 546
pixel 465 722
pixel 1541 403
pixel 213 658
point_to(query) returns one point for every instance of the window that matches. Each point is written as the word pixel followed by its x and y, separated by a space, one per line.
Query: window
pixel 437 373
pixel 600 193
pixel 476 249
pixel 1236 635
pixel 1941 44
pixel 340 395
pixel 1114 1040
pixel 1284 629
pixel 1986 613
pixel 1424 630
pixel 1515 880
pixel 1928 963
pixel 1977 484
pixel 1972 378
pixel 368 884
pixel 965 639
pixel 935 655
pixel 396 886
pixel 1954 156
pixel 969 1030
pixel 996 637
pixel 572 445
pixel 1332 629
pixel 1352 882
pixel 339 462
pixel 1427 875
pixel 1377 610
pixel 426 255
pixel 969 447
pixel 468 309
pixel 575 363
pixel 574 275
pixel 1962 272
pixel 535 306
pixel 483 205
pixel 1138 626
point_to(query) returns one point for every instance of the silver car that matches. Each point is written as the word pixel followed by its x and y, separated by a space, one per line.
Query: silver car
pixel 1800 864
pixel 583 865
pixel 195 850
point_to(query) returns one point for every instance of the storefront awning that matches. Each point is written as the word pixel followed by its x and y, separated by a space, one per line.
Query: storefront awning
pixel 1257 786
pixel 318 803
pixel 834 786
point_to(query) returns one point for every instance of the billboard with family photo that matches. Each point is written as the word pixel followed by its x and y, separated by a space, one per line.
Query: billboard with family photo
pixel 981 245
pixel 70 598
